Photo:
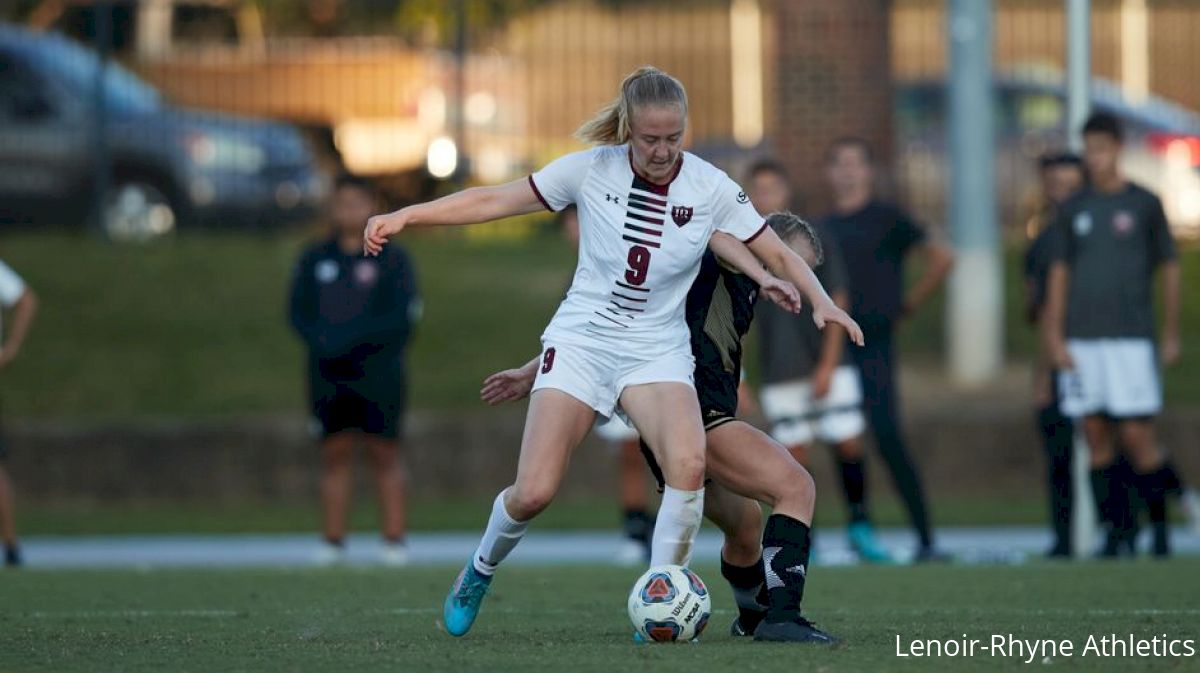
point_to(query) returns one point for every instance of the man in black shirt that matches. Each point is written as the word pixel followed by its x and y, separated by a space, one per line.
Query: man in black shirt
pixel 875 238
pixel 1061 176
pixel 811 389
pixel 355 315
pixel 1099 327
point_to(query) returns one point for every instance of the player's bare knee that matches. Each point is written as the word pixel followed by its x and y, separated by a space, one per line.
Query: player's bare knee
pixel 795 487
pixel 524 502
pixel 687 471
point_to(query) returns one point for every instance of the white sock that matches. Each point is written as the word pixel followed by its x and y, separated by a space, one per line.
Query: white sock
pixel 501 537
pixel 676 527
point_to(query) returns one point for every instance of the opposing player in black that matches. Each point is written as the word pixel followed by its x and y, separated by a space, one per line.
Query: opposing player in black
pixel 356 314
pixel 744 465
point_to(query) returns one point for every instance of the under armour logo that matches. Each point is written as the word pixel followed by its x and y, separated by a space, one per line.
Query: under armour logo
pixel 613 199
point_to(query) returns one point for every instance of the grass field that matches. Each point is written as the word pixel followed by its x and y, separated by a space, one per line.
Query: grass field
pixel 570 619
pixel 194 326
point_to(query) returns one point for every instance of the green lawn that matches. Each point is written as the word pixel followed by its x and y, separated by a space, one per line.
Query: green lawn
pixel 194 325
pixel 572 619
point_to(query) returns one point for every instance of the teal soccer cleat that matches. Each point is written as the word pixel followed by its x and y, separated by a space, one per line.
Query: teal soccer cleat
pixel 866 545
pixel 462 603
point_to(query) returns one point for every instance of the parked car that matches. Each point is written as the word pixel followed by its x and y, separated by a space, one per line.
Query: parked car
pixel 1162 144
pixel 169 166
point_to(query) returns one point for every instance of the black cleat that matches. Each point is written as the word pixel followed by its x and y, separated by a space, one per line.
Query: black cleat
pixel 746 623
pixel 1162 541
pixel 799 630
pixel 931 555
pixel 12 556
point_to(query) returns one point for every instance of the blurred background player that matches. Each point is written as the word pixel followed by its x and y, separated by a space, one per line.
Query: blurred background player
pixel 1061 176
pixel 356 315
pixel 875 238
pixel 636 523
pixel 1099 327
pixel 811 389
pixel 15 296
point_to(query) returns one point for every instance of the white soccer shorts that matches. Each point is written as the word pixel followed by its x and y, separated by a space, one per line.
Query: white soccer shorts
pixel 1116 377
pixel 595 373
pixel 797 418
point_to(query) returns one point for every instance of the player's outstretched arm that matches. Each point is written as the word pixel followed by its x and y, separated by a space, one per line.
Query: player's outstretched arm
pixel 509 385
pixel 1171 349
pixel 735 253
pixel 470 206
pixel 785 263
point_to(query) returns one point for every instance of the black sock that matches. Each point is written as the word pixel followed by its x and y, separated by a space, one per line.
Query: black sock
pixel 638 525
pixel 12 555
pixel 1153 490
pixel 785 560
pixel 748 583
pixel 854 487
pixel 1171 483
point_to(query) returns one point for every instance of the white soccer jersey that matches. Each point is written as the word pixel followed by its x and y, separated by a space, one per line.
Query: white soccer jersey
pixel 640 244
pixel 11 287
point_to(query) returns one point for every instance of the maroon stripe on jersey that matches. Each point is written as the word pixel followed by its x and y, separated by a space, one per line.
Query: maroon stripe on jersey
pixel 622 315
pixel 611 320
pixel 646 207
pixel 652 244
pixel 538 193
pixel 631 287
pixel 626 308
pixel 643 230
pixel 756 234
pixel 643 218
pixel 646 199
pixel 621 296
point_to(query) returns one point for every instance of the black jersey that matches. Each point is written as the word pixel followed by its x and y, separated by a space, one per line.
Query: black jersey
pixel 720 308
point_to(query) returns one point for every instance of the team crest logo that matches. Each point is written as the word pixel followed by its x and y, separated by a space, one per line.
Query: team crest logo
pixel 1083 224
pixel 366 272
pixel 681 214
pixel 742 198
pixel 1123 222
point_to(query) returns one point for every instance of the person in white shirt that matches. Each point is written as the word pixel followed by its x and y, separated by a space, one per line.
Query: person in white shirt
pixel 647 212
pixel 16 297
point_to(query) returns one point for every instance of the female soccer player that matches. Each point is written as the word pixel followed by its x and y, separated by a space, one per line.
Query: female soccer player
pixel 647 211
pixel 746 465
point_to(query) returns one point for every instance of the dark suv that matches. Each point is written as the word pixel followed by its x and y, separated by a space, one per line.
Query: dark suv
pixel 169 166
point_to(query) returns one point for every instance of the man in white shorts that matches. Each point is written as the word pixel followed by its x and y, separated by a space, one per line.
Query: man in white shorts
pixel 1109 241
pixel 15 296
pixel 811 390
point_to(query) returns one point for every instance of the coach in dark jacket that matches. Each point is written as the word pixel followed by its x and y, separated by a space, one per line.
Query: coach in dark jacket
pixel 355 314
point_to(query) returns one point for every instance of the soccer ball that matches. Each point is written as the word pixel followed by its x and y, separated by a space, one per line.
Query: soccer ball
pixel 669 603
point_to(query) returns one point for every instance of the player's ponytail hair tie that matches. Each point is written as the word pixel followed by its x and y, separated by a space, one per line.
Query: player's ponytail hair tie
pixel 645 86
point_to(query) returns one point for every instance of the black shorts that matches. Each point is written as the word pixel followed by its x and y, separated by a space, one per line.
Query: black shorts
pixel 373 407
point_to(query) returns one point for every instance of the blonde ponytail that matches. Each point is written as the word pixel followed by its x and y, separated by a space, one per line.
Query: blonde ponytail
pixel 645 86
